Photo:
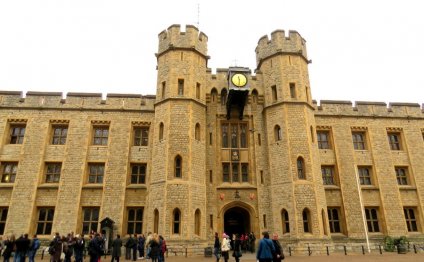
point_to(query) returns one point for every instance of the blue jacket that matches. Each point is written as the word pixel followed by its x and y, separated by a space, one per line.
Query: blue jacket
pixel 265 249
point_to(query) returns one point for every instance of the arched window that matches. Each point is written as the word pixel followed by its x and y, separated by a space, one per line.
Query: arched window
pixel 161 131
pixel 254 96
pixel 277 133
pixel 224 96
pixel 178 166
pixel 156 221
pixel 197 222
pixel 214 94
pixel 176 221
pixel 306 218
pixel 301 168
pixel 285 221
pixel 197 132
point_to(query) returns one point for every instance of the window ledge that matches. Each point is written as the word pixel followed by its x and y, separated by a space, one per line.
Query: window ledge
pixel 369 187
pixel 93 186
pixel 49 185
pixel 407 187
pixel 331 187
pixel 137 186
pixel 7 185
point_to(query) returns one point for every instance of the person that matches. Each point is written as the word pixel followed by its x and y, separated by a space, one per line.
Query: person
pixel 9 243
pixel 163 248
pixel 140 246
pixel 278 254
pixel 154 248
pixel 79 248
pixel 116 248
pixel 134 248
pixel 217 247
pixel 22 247
pixel 265 249
pixel 128 247
pixel 225 247
pixel 148 239
pixel 237 248
pixel 34 246
pixel 252 240
pixel 95 248
pixel 55 248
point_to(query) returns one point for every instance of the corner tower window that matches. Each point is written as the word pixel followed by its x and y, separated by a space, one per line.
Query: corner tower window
pixel 176 221
pixel 178 166
pixel 180 87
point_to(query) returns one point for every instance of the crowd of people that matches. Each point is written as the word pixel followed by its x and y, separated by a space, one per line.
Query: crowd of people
pixel 63 248
pixel 268 250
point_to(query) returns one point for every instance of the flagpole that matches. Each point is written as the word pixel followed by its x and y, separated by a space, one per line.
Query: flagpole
pixel 362 209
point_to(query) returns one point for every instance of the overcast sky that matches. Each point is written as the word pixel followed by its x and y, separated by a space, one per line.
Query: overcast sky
pixel 361 50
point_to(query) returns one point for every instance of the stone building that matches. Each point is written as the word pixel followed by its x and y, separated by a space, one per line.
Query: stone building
pixel 230 152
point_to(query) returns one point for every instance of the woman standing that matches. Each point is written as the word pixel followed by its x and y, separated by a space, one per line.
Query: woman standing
pixel 278 255
pixel 225 247
pixel 237 248
pixel 8 247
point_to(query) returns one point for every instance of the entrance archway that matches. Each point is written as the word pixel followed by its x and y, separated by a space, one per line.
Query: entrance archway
pixel 237 221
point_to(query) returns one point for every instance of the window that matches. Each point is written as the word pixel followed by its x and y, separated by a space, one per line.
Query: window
pixel 274 93
pixel 371 214
pixel 101 134
pixel 45 221
pixel 198 90
pixel 141 136
pixel 3 218
pixel 411 220
pixel 306 221
pixel 9 172
pixel 96 173
pixel 323 138
pixel 394 141
pixel 17 133
pixel 90 219
pixel 285 221
pixel 197 132
pixel 226 172
pixel 178 166
pixel 334 219
pixel 264 218
pixel 254 96
pixel 235 172
pixel 197 222
pixel 176 221
pixel 59 135
pixel 238 136
pixel 161 131
pixel 135 220
pixel 214 94
pixel 262 177
pixel 292 90
pixel 163 89
pixel 180 87
pixel 277 133
pixel 300 168
pixel 364 173
pixel 402 175
pixel 328 175
pixel 224 96
pixel 53 172
pixel 210 138
pixel 244 173
pixel 358 139
pixel 156 221
pixel 211 221
pixel 138 173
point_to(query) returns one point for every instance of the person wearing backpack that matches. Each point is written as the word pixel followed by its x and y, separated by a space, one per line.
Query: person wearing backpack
pixel 34 246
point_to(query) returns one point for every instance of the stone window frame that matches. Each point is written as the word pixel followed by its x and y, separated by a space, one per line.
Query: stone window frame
pixel 402 176
pixel 306 221
pixel 278 133
pixel 321 133
pixel 300 167
pixel 141 133
pixel 17 129
pixel 292 88
pixel 197 132
pixel 3 218
pixel 274 93
pixel 89 219
pixel 373 219
pixel 10 176
pixel 180 90
pixel 361 133
pixel 365 178
pixel 240 177
pixel 197 222
pixel 53 170
pixel 161 130
pixel 234 134
pixel 411 219
pixel 285 221
pixel 176 221
pixel 59 131
pixel 334 220
pixel 102 138
pixel 198 85
pixel 178 166
pixel 135 220
pixel 329 179
pixel 44 223
pixel 138 178
pixel 97 175
pixel 223 96
pixel 394 136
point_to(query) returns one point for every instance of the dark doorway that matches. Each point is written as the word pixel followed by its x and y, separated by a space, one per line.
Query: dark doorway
pixel 236 221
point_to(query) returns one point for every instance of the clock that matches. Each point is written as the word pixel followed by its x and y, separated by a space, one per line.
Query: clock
pixel 239 80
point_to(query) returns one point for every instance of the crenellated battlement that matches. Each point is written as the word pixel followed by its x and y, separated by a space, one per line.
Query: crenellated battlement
pixel 173 37
pixel 73 101
pixel 279 43
pixel 369 109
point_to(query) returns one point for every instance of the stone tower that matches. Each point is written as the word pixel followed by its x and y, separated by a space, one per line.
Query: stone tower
pixel 177 195
pixel 296 183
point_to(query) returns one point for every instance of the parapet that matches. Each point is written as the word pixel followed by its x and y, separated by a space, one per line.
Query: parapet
pixel 173 37
pixel 279 43
pixel 369 109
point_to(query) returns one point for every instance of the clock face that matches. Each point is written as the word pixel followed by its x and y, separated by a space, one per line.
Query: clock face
pixel 239 80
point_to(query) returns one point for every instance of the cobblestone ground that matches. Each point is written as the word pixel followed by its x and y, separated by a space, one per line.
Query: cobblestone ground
pixel 387 257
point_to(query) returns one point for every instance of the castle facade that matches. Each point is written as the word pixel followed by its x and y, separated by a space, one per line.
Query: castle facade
pixel 230 152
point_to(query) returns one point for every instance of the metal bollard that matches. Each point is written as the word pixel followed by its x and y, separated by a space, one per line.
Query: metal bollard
pixel 328 252
pixel 345 251
pixel 290 251
pixel 415 249
pixel 309 250
pixel 42 254
pixel 363 250
pixel 186 252
pixel 379 247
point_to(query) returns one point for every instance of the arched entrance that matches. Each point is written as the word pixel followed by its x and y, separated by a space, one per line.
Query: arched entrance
pixel 237 221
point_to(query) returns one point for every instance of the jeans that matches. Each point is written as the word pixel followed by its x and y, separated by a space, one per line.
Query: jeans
pixel 216 253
